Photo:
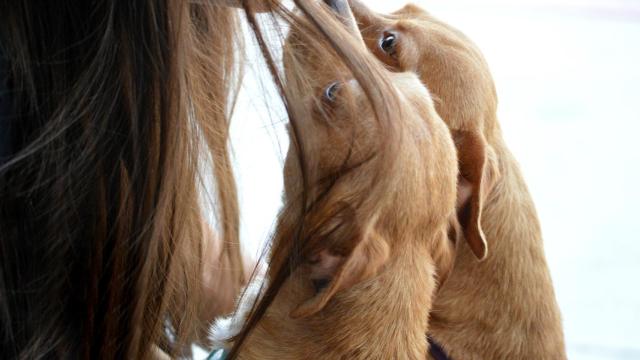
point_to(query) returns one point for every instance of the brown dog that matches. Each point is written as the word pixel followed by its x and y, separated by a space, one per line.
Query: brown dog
pixel 503 307
pixel 365 291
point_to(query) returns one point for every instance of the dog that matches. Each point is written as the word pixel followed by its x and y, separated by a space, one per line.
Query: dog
pixel 503 307
pixel 365 290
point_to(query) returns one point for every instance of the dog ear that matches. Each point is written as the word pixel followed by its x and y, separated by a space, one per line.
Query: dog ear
pixel 473 185
pixel 330 271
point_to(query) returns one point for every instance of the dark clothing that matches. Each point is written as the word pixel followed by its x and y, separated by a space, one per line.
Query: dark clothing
pixel 5 109
pixel 436 350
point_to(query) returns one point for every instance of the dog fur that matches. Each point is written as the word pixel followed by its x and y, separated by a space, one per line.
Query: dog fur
pixel 503 307
pixel 382 269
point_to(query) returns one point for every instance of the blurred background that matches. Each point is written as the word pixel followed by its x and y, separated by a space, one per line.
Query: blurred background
pixel 567 74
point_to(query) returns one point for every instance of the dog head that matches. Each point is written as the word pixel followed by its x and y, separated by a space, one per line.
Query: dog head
pixel 420 191
pixel 457 75
pixel 372 185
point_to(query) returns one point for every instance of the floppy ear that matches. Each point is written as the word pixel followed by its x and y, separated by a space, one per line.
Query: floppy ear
pixel 330 271
pixel 473 184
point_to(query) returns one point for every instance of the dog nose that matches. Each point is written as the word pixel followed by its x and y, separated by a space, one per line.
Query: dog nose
pixel 340 7
pixel 343 10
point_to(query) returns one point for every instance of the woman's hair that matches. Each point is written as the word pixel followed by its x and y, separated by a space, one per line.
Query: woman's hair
pixel 115 106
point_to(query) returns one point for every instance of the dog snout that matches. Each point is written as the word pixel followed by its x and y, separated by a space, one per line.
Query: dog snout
pixel 340 7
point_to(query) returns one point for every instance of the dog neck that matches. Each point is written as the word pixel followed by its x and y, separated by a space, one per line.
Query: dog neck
pixel 503 307
pixel 383 317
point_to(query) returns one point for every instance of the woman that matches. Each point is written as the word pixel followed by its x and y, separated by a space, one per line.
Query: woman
pixel 110 111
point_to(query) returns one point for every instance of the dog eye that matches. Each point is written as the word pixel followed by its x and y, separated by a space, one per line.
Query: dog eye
pixel 388 43
pixel 331 91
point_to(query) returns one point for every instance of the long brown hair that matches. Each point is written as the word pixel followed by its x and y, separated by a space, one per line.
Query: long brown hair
pixel 116 106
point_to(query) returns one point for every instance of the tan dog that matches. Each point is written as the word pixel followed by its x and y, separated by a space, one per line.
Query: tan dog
pixel 365 290
pixel 503 307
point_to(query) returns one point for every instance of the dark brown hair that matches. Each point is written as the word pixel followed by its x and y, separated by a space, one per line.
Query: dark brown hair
pixel 115 106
